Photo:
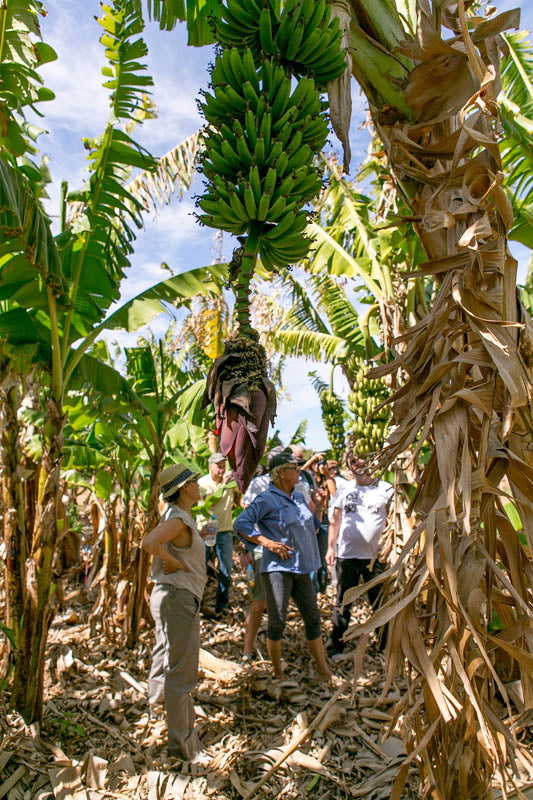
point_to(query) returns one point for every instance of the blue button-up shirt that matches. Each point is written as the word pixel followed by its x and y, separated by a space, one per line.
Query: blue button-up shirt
pixel 283 519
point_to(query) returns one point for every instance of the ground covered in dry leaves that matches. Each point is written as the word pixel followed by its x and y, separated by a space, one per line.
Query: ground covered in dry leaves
pixel 98 741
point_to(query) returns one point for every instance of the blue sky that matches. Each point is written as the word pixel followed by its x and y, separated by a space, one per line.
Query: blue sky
pixel 172 234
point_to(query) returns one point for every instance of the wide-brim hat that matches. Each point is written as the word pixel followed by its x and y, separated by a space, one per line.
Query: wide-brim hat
pixel 174 477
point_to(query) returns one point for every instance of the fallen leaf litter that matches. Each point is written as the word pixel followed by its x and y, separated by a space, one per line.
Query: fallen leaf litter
pixel 289 738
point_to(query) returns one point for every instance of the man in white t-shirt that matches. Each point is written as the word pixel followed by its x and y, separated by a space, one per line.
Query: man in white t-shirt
pixel 360 510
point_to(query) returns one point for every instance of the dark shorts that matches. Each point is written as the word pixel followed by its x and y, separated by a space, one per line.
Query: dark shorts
pixel 279 588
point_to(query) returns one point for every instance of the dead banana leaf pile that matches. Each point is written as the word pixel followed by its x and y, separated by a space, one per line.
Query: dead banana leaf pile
pixel 461 615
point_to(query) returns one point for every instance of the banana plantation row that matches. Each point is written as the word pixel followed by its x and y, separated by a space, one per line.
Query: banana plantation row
pixel 444 339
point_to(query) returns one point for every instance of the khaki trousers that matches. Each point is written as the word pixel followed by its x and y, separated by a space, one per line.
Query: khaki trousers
pixel 174 670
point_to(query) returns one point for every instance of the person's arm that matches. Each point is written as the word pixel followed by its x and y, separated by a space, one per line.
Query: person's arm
pixel 333 535
pixel 172 530
pixel 278 548
pixel 244 527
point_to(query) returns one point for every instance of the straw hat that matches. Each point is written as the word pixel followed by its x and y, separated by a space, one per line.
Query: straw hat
pixel 174 477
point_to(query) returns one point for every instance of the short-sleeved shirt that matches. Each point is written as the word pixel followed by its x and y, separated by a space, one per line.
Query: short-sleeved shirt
pixel 364 512
pixel 222 508
pixel 283 519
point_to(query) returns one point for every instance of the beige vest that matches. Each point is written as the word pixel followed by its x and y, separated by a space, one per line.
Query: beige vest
pixel 192 557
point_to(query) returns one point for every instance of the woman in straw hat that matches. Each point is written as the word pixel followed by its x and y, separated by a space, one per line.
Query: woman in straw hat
pixel 178 574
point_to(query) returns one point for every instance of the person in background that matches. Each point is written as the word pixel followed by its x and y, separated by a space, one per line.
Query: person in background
pixel 251 556
pixel 178 574
pixel 340 482
pixel 287 532
pixel 216 479
pixel 360 511
pixel 324 482
pixel 306 484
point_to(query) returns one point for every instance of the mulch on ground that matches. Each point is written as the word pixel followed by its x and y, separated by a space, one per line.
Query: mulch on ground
pixel 97 738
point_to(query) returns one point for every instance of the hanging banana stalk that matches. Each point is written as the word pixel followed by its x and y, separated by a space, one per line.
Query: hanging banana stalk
pixel 371 417
pixel 333 419
pixel 260 145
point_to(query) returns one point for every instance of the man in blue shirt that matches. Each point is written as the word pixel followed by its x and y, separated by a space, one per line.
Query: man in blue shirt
pixel 280 520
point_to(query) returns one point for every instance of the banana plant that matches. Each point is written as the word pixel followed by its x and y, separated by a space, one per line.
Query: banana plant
pixel 258 162
pixel 430 72
pixel 56 291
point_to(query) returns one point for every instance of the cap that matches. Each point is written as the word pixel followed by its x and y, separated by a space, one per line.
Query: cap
pixel 285 458
pixel 214 458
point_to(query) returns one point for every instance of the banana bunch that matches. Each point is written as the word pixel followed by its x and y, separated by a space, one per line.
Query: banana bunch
pixel 369 428
pixel 301 37
pixel 333 418
pixel 259 152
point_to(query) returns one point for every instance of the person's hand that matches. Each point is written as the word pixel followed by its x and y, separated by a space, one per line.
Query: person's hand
pixel 228 476
pixel 280 549
pixel 319 498
pixel 172 564
pixel 246 559
pixel 330 557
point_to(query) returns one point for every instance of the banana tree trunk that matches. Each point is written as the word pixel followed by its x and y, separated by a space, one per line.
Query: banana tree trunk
pixel 39 601
pixel 12 504
pixel 466 387
pixel 125 528
pixel 138 608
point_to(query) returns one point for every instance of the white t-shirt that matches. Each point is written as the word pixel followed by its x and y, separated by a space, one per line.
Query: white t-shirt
pixel 340 483
pixel 363 520
pixel 257 485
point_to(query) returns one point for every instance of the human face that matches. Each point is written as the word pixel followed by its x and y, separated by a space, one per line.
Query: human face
pixel 290 475
pixel 217 470
pixel 193 490
pixel 359 469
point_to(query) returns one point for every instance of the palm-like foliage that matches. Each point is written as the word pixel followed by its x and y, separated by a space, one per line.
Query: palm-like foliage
pixel 516 114
pixel 197 13
pixel 60 291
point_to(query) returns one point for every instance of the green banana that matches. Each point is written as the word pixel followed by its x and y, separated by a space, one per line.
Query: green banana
pixel 263 206
pixel 238 207
pixel 249 202
pixel 270 181
pixel 295 40
pixel 236 67
pixel 266 124
pixel 317 17
pixel 281 164
pixel 250 94
pixel 259 152
pixel 243 151
pixel 255 182
pixel 295 142
pixel 249 124
pixel 281 100
pixel 276 209
pixel 249 68
pixel 284 187
pixel 265 33
pixel 303 156
pixel 276 150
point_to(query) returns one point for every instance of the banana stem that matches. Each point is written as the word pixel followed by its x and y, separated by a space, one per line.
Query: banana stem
pixel 242 287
